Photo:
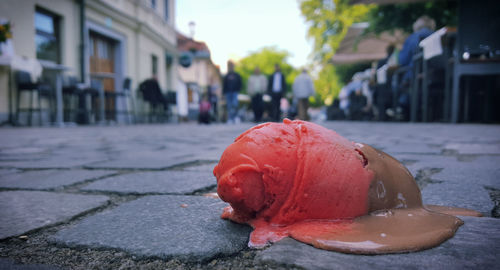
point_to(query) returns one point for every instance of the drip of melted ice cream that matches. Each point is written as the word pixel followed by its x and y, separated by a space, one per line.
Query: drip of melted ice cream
pixel 301 180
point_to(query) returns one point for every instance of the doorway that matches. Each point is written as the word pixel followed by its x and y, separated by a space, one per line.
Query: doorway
pixel 102 60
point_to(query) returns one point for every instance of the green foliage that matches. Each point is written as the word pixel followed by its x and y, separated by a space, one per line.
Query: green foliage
pixel 402 16
pixel 328 22
pixel 327 85
pixel 265 59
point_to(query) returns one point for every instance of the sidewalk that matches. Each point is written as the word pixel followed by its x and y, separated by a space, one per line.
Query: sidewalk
pixel 129 197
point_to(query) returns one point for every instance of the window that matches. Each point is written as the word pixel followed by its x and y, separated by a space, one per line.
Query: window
pixel 91 46
pixel 153 4
pixel 154 65
pixel 103 49
pixel 47 36
pixel 166 10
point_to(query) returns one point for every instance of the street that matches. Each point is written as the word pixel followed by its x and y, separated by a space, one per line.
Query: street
pixel 128 197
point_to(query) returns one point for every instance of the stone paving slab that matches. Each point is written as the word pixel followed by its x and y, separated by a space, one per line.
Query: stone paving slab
pixel 465 194
pixel 23 211
pixel 4 172
pixel 165 226
pixel 154 161
pixel 202 168
pixel 419 162
pixel 8 264
pixel 163 182
pixel 49 179
pixel 404 147
pixel 22 153
pixel 475 246
pixel 475 148
pixel 22 150
pixel 483 170
pixel 52 162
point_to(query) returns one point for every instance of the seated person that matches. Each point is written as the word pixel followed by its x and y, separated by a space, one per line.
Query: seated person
pixel 334 112
pixel 151 92
pixel 389 50
pixel 357 101
pixel 422 28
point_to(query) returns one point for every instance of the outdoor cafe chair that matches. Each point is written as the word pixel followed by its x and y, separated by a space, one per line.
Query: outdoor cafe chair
pixel 127 106
pixel 154 104
pixel 71 98
pixel 42 90
pixel 427 88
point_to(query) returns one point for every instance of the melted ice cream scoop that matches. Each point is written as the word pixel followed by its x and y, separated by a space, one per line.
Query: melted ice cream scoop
pixel 301 180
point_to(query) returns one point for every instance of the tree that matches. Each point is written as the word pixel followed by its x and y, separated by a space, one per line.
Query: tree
pixel 265 59
pixel 327 86
pixel 328 22
pixel 402 16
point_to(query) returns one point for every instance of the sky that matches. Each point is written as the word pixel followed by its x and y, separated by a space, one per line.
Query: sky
pixel 234 28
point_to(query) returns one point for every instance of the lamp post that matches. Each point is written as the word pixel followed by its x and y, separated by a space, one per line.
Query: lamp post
pixel 191 28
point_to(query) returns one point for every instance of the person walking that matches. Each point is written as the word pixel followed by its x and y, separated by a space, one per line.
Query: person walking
pixel 303 88
pixel 276 88
pixel 255 88
pixel 231 88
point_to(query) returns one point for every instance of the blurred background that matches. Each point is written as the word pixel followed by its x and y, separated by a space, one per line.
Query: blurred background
pixel 85 62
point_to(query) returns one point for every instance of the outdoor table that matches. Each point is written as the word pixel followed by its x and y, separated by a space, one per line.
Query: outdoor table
pixel 58 69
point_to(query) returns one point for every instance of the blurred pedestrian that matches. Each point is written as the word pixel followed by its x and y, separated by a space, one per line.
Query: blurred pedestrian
pixel 303 88
pixel 276 89
pixel 231 88
pixel 213 99
pixel 256 88
pixel 205 107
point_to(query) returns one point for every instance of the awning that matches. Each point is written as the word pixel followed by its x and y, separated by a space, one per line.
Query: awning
pixel 383 2
pixel 356 48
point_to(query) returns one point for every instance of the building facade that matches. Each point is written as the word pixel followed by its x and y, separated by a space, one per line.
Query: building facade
pixel 201 77
pixel 97 40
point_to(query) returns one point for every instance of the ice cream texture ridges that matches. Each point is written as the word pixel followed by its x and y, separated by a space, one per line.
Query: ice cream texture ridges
pixel 302 180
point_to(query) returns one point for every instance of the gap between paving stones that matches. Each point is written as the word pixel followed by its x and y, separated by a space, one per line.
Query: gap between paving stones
pixel 423 177
pixel 74 218
pixel 196 192
pixel 37 246
pixel 39 238
pixel 125 260
pixel 71 188
pixel 36 249
pixel 495 197
pixel 77 187
pixel 173 167
pixel 463 157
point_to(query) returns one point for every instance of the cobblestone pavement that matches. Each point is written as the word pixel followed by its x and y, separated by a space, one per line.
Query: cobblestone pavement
pixel 127 197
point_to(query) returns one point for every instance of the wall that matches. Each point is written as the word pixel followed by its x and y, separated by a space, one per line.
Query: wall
pixel 21 14
pixel 142 31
